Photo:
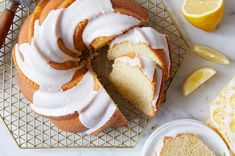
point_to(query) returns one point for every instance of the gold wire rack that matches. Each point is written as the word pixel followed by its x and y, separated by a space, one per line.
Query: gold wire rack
pixel 32 131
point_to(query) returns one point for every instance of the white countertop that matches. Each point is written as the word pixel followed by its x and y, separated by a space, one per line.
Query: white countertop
pixel 177 106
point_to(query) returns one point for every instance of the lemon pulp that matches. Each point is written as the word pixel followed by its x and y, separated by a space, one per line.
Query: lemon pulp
pixel 197 78
pixel 210 54
pixel 203 14
pixel 199 7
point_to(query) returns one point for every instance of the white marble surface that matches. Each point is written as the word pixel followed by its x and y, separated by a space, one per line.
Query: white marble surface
pixel 194 106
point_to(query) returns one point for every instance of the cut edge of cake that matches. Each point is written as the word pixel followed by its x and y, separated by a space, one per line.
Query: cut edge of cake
pixel 183 145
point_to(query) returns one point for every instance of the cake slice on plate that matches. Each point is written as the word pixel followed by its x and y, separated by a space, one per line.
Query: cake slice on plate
pixel 185 145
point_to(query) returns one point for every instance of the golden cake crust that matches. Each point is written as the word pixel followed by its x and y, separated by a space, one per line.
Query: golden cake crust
pixel 71 123
pixel 170 44
pixel 161 94
pixel 160 53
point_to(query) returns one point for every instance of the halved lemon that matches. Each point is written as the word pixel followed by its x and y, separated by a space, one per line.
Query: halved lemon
pixel 203 14
pixel 210 54
pixel 197 78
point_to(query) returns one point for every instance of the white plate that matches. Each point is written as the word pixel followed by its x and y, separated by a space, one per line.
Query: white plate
pixel 206 134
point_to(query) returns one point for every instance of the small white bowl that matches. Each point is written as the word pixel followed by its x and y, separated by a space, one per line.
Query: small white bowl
pixel 212 139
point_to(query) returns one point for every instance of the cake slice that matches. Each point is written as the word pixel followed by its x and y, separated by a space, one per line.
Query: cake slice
pixel 142 63
pixel 132 81
pixel 185 145
pixel 145 41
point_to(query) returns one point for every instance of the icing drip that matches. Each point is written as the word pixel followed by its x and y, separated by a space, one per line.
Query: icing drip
pixel 36 68
pixel 95 107
pixel 149 36
pixel 149 67
pixel 100 111
pixel 46 37
pixel 142 62
pixel 76 13
pixel 109 24
pixel 158 88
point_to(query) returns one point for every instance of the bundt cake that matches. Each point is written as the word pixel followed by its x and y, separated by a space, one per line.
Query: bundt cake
pixel 51 74
pixel 184 145
pixel 142 62
pixel 53 60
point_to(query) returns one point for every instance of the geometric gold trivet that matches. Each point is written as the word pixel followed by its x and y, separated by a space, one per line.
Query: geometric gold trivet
pixel 32 131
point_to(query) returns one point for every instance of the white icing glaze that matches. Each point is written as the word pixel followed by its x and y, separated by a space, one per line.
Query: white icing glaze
pixel 136 36
pixel 100 111
pixel 149 67
pixel 95 107
pixel 158 88
pixel 46 37
pixel 77 12
pixel 142 62
pixel 37 69
pixel 109 24
pixel 149 36
pixel 65 102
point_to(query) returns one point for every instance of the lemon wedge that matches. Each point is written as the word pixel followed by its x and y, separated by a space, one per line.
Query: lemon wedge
pixel 203 14
pixel 210 54
pixel 197 78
